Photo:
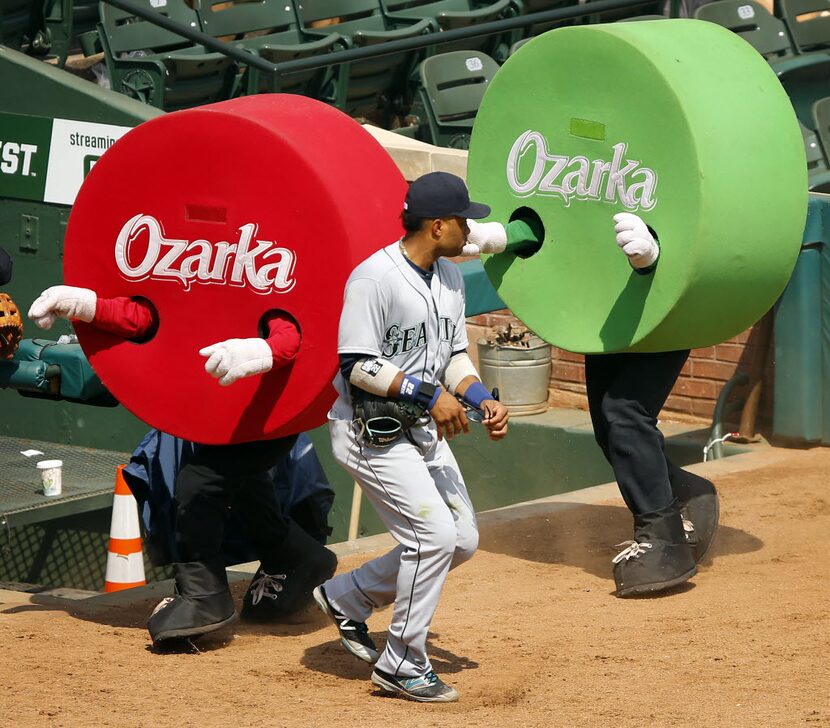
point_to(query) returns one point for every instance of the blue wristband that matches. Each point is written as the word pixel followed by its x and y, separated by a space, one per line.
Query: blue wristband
pixel 475 394
pixel 409 388
pixel 417 392
pixel 428 395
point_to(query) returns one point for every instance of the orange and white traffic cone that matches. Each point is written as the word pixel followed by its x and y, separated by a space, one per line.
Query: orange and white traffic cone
pixel 125 560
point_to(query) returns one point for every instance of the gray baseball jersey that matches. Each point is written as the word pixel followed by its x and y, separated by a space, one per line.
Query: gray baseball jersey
pixel 415 485
pixel 390 312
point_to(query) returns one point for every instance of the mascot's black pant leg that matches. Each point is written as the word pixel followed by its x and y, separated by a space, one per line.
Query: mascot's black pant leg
pixel 625 395
pixel 221 476
pixel 218 477
pixel 201 499
pixel 254 496
pixel 292 563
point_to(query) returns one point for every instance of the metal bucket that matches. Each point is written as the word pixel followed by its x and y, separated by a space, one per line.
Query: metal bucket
pixel 521 374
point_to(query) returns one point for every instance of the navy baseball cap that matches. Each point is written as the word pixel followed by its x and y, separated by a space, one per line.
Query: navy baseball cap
pixel 441 194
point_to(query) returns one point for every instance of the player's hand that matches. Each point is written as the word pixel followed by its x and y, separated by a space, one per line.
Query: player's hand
pixel 450 416
pixel 635 240
pixel 237 358
pixel 495 418
pixel 66 302
pixel 485 237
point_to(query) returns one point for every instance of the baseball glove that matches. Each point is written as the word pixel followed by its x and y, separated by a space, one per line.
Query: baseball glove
pixel 383 420
pixel 11 326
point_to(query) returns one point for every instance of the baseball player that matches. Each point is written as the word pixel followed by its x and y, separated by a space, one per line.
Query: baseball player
pixel 215 478
pixel 675 512
pixel 402 346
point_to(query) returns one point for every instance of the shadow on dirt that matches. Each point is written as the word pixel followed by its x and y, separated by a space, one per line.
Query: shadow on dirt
pixel 133 614
pixel 585 536
pixel 331 659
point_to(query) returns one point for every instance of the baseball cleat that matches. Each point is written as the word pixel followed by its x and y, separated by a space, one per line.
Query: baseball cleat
pixel 354 635
pixel 427 688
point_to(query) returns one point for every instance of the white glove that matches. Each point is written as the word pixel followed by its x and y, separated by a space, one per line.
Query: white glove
pixel 485 237
pixel 237 358
pixel 635 240
pixel 66 302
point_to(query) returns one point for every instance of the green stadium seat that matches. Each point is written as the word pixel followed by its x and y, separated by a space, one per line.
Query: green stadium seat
pixel 633 18
pixel 538 6
pixel 276 38
pixel 808 22
pixel 158 66
pixel 806 78
pixel 375 84
pixel 612 16
pixel 751 21
pixel 20 23
pixel 450 89
pixel 638 18
pixel 818 149
pixel 518 44
pixel 453 14
pixel 65 21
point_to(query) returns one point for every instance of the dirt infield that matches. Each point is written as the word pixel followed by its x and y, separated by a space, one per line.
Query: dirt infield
pixel 528 632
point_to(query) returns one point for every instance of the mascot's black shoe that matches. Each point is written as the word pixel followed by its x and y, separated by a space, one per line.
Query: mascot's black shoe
pixel 283 584
pixel 202 604
pixel 699 507
pixel 658 558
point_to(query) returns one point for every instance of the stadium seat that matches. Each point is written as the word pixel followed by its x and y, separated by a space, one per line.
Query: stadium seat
pixel 276 37
pixel 65 21
pixel 453 14
pixel 806 78
pixel 368 86
pixel 637 18
pixel 808 22
pixel 818 168
pixel 450 89
pixel 751 21
pixel 20 23
pixel 612 16
pixel 538 6
pixel 518 44
pixel 158 66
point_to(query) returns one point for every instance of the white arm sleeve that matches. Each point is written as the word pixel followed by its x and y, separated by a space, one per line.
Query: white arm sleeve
pixel 459 368
pixel 373 375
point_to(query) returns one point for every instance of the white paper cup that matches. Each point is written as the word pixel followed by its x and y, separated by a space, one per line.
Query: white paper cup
pixel 50 474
